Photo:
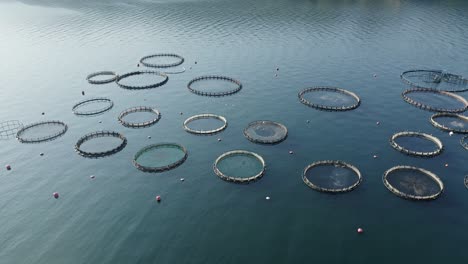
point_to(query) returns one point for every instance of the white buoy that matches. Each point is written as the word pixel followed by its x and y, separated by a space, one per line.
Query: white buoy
pixel 360 230
pixel 375 156
pixel 378 123
pixel 219 139
pixel 451 133
pixel 182 179
pixel 291 152
pixel 267 198
pixel 92 176
pixel 56 195
pixel 149 137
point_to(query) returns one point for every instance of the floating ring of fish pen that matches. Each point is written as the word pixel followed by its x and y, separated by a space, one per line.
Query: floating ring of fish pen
pixel 399 193
pixel 175 72
pixel 139 109
pixel 100 134
pixel 431 108
pixel 428 137
pixel 76 107
pixel 166 167
pixel 142 87
pixel 205 116
pixel 22 139
pixel 445 128
pixel 113 77
pixel 232 153
pixel 435 77
pixel 336 163
pixel 464 142
pixel 280 132
pixel 167 65
pixel 214 77
pixel 10 128
pixel 327 107
pixel 466 181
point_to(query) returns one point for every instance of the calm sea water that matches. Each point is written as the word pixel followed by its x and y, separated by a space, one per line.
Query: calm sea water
pixel 48 47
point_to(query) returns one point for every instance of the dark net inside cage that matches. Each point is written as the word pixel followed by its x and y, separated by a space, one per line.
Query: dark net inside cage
pixel 239 166
pixel 265 132
pixel 205 124
pixel 214 86
pixel 92 106
pixel 413 183
pixel 41 132
pixel 139 117
pixel 434 100
pixel 450 122
pixel 435 79
pixel 100 144
pixel 162 60
pixel 332 176
pixel 8 129
pixel 415 143
pixel 329 98
pixel 140 80
pixel 160 157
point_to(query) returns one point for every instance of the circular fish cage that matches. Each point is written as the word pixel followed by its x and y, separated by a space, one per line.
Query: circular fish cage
pixel 142 87
pixel 175 71
pixel 194 118
pixel 413 183
pixel 435 79
pixel 41 132
pixel 248 160
pixel 427 137
pixel 466 181
pixel 265 132
pixel 237 86
pixel 8 129
pixel 462 101
pixel 342 100
pixel 139 109
pixel 160 157
pixel 464 142
pixel 332 176
pixel 112 77
pixel 179 61
pixel 77 109
pixel 459 123
pixel 100 134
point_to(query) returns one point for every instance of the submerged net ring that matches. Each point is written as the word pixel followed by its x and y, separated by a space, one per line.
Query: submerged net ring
pixel 94 100
pixel 113 77
pixel 336 163
pixel 99 134
pixel 149 86
pixel 404 150
pixel 8 129
pixel 464 142
pixel 433 78
pixel 159 168
pixel 450 129
pixel 228 178
pixel 427 173
pixel 431 108
pixel 214 77
pixel 327 107
pixel 253 132
pixel 205 116
pixel 139 109
pixel 167 65
pixel 21 138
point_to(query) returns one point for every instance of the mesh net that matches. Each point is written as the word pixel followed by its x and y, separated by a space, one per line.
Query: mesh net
pixel 435 79
pixel 139 117
pixel 92 106
pixel 416 144
pixel 435 100
pixel 329 98
pixel 450 122
pixel 160 157
pixel 100 144
pixel 265 132
pixel 41 132
pixel 212 85
pixel 413 183
pixel 140 80
pixel 102 77
pixel 162 60
pixel 331 176
pixel 205 124
pixel 239 166
pixel 8 129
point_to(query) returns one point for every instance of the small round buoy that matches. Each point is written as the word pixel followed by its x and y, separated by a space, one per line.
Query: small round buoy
pixel 181 113
pixel 41 154
pixel 149 137
pixel 82 92
pixel 308 121
pixel 291 152
pixel 8 167
pixel 276 75
pixel 182 179
pixel 56 195
pixel 219 139
pixel 190 67
pixel 100 122
pixel 375 156
pixel 158 198
pixel 267 198
pixel 446 164
pixel 378 123
pixel 138 65
pixel 92 176
pixel 360 230
pixel 195 62
pixel 43 113
pixel 451 133
pixel 375 75
pixel 277 69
